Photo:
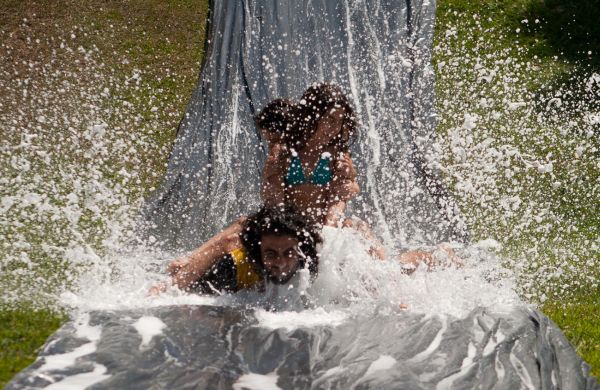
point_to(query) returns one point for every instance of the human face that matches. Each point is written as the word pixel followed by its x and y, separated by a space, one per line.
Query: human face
pixel 329 126
pixel 280 257
pixel 272 137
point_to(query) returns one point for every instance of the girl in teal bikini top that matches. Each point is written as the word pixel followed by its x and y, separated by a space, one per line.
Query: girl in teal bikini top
pixel 320 176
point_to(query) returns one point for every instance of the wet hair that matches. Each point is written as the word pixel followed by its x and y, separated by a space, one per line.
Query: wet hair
pixel 279 116
pixel 282 222
pixel 316 102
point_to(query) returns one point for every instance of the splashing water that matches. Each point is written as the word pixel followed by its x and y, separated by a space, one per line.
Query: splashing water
pixel 349 279
pixel 519 139
pixel 75 146
pixel 74 174
pixel 523 166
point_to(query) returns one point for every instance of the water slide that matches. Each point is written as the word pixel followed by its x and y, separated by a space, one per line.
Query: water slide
pixel 257 51
pixel 453 336
pixel 228 348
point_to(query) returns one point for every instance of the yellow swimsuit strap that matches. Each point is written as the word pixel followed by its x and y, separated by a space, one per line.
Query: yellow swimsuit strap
pixel 246 274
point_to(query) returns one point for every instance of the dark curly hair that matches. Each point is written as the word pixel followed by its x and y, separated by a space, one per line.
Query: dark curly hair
pixel 283 222
pixel 279 116
pixel 317 101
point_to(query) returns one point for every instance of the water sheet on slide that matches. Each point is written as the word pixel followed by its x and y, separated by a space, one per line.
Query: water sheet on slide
pixel 197 347
pixel 258 50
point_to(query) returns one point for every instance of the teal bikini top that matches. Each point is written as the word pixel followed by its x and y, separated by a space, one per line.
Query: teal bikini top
pixel 321 175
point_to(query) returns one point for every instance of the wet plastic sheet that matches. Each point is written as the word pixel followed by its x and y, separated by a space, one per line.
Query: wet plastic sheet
pixel 258 50
pixel 217 347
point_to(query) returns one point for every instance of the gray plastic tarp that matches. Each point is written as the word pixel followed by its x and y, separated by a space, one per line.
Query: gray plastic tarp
pixel 203 347
pixel 258 50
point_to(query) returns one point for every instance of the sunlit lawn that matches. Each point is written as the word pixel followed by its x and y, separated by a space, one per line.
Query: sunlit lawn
pixel 556 43
pixel 163 38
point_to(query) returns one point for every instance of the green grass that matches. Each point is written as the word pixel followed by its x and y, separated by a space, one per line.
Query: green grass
pixel 165 41
pixel 22 332
pixel 554 45
pixel 579 320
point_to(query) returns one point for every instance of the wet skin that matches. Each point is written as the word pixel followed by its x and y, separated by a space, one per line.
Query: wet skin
pixel 310 197
pixel 315 200
pixel 322 204
pixel 281 257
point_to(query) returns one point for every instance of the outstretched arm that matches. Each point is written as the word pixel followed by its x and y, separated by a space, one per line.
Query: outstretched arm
pixel 444 256
pixel 188 269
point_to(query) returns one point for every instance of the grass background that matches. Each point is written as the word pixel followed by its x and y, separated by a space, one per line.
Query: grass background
pixel 555 44
pixel 165 39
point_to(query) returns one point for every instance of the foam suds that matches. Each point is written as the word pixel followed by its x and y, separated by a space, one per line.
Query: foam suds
pixel 81 381
pixel 82 330
pixel 257 382
pixel 435 343
pixel 290 320
pixel 63 361
pixel 148 327
pixel 471 351
pixel 384 362
pixel 349 281
pixel 349 275
pixel 520 368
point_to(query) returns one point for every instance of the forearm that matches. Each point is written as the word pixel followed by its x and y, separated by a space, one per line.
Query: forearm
pixel 335 212
pixel 346 190
pixel 192 267
pixel 193 270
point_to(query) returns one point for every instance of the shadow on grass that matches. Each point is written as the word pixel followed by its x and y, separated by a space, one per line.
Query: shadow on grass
pixel 571 28
pixel 566 30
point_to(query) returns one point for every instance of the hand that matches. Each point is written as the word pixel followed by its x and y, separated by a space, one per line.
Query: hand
pixel 335 214
pixel 176 265
pixel 345 185
pixel 410 260
pixel 276 153
pixel 345 167
pixel 445 256
pixel 157 289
